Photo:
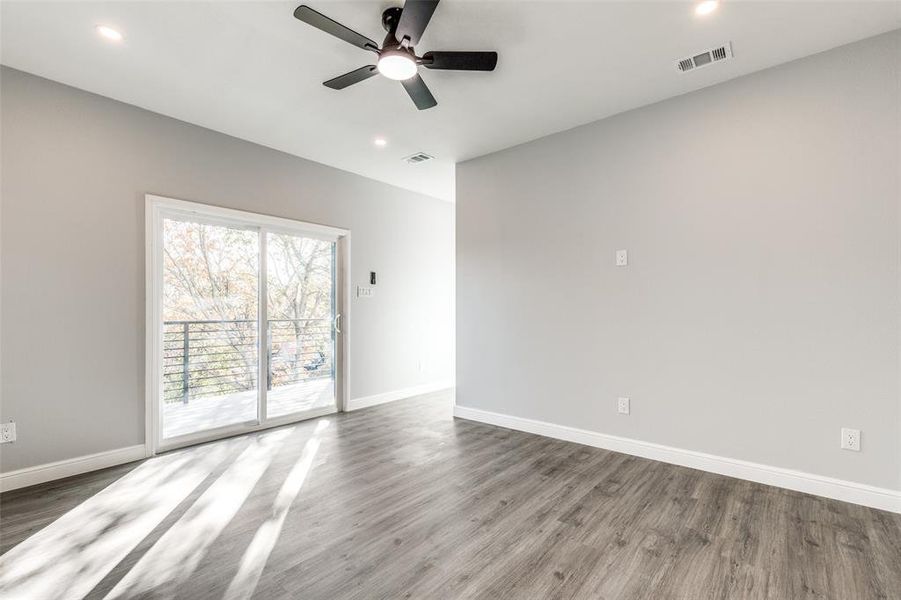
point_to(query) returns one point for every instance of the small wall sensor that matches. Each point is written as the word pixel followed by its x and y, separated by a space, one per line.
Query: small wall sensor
pixel 372 278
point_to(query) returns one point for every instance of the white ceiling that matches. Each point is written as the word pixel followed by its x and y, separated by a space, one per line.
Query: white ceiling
pixel 251 70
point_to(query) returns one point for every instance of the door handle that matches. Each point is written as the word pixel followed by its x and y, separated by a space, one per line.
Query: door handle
pixel 337 323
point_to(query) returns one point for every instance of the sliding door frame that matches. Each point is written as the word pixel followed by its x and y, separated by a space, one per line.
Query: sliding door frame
pixel 158 208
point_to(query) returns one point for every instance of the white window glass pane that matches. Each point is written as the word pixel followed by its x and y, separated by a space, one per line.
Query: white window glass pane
pixel 210 346
pixel 300 278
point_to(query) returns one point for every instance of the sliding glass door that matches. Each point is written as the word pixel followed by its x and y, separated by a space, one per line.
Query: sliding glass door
pixel 302 324
pixel 246 321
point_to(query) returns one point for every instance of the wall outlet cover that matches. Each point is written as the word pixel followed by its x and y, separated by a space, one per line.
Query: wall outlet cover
pixel 7 432
pixel 622 405
pixel 851 439
pixel 622 258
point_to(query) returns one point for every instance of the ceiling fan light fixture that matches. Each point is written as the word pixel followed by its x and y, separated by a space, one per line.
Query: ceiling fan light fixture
pixel 396 65
pixel 396 57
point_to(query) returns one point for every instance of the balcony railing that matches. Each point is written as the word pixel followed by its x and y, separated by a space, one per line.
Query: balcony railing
pixel 212 358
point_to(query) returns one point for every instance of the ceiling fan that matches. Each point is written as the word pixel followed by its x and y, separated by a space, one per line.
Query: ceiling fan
pixel 397 58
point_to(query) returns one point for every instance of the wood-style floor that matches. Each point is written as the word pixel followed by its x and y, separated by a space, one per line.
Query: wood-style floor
pixel 403 501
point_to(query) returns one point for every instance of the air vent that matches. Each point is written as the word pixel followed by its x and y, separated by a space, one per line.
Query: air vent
pixel 707 57
pixel 419 157
pixel 686 64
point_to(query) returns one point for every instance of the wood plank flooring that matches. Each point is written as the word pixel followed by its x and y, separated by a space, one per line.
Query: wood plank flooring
pixel 403 501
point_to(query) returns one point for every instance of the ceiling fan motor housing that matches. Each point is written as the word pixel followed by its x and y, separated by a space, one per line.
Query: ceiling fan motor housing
pixel 395 49
pixel 391 43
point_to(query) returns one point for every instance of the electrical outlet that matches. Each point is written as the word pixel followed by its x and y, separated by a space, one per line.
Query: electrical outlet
pixel 851 439
pixel 622 258
pixel 622 405
pixel 7 432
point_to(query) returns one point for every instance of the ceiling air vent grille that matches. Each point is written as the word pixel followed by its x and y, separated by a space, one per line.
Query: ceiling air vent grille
pixel 419 157
pixel 686 64
pixel 707 57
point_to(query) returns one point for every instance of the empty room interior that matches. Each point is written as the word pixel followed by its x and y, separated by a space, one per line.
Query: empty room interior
pixel 469 299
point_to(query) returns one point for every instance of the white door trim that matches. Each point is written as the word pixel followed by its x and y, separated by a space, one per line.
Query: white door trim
pixel 158 207
pixel 241 217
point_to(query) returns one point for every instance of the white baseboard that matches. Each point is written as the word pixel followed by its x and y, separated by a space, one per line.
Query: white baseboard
pixel 14 480
pixel 847 491
pixel 364 401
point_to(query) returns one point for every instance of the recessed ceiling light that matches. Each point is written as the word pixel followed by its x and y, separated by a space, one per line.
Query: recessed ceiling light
pixel 380 142
pixel 109 33
pixel 706 7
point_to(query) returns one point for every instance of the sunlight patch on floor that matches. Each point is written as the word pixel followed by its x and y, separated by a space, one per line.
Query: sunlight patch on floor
pixel 176 554
pixel 69 557
pixel 257 554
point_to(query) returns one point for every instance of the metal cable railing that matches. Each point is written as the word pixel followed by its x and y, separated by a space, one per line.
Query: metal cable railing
pixel 211 358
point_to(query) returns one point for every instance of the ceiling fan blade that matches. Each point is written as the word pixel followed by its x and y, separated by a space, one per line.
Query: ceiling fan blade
pixel 356 76
pixel 419 92
pixel 413 19
pixel 320 21
pixel 460 61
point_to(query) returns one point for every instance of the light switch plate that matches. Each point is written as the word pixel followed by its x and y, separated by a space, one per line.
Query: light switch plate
pixel 364 292
pixel 622 258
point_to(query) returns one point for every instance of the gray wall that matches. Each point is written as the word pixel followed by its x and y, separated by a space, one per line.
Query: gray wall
pixel 760 310
pixel 75 170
